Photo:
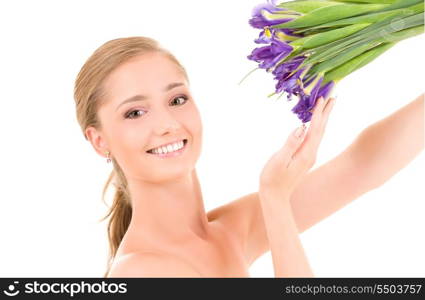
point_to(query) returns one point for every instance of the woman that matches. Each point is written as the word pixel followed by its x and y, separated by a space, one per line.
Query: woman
pixel 135 107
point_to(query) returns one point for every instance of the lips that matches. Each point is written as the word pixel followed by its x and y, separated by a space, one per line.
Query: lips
pixel 150 150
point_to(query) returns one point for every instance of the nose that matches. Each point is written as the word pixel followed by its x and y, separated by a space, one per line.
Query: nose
pixel 166 123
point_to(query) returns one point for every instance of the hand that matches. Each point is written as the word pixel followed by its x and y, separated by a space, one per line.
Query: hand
pixel 287 166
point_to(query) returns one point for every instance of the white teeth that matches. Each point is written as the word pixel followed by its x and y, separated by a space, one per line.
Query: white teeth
pixel 168 148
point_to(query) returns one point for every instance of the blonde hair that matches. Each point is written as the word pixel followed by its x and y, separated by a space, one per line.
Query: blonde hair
pixel 88 94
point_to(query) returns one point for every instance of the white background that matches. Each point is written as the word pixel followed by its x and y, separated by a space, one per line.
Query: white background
pixel 51 179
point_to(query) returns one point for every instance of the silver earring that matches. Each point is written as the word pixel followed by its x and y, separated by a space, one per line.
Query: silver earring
pixel 108 158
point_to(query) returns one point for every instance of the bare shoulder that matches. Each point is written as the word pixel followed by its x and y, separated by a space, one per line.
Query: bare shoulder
pixel 243 217
pixel 237 215
pixel 150 264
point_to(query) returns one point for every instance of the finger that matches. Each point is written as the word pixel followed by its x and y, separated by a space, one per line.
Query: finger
pixel 317 109
pixel 293 142
pixel 315 121
pixel 328 108
pixel 317 127
pixel 326 112
pixel 317 116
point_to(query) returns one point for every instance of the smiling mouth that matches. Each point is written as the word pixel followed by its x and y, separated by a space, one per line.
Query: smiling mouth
pixel 184 144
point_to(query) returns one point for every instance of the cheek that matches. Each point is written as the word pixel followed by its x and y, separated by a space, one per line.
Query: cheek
pixel 129 141
pixel 193 122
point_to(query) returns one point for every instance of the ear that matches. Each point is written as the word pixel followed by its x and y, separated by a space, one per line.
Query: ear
pixel 97 140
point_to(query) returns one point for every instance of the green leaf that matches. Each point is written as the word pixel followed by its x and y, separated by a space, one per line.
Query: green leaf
pixel 342 57
pixel 350 66
pixel 401 4
pixel 318 39
pixel 369 1
pixel 356 63
pixel 306 6
pixel 330 13
pixel 387 38
pixel 371 32
pixel 402 34
pixel 370 18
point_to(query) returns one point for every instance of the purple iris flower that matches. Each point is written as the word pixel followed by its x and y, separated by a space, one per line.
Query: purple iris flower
pixel 289 31
pixel 263 38
pixel 290 84
pixel 269 55
pixel 259 21
pixel 290 77
pixel 326 89
pixel 284 69
pixel 308 101
pixel 307 80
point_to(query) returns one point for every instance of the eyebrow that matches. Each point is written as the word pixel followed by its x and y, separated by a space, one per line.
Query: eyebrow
pixel 139 97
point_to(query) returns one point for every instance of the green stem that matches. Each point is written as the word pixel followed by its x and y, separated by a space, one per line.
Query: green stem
pixel 306 6
pixel 369 1
pixel 330 13
pixel 248 75
pixel 313 41
pixel 401 4
pixel 357 39
pixel 274 93
pixel 347 68
pixel 369 18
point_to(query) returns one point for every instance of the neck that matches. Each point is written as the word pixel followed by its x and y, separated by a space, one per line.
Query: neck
pixel 170 211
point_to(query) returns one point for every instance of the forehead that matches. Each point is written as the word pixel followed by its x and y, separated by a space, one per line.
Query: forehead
pixel 147 74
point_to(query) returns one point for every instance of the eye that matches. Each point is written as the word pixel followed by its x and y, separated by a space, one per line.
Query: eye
pixel 181 97
pixel 131 115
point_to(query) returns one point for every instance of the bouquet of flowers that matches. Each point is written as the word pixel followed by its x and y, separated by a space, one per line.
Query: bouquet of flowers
pixel 313 44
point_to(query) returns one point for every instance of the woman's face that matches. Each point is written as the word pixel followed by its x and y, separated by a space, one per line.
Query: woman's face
pixel 165 114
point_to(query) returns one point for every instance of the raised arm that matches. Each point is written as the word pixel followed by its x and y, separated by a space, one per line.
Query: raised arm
pixel 388 145
pixel 278 179
pixel 289 258
pixel 376 154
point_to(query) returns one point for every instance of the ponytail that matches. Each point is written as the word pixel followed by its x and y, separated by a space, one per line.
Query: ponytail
pixel 120 212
